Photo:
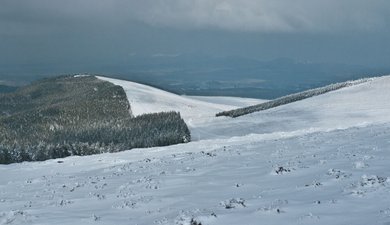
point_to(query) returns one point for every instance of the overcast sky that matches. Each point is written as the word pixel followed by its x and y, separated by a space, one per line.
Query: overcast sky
pixel 63 32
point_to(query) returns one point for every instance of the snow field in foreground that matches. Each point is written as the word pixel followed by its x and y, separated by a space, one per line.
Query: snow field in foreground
pixel 336 177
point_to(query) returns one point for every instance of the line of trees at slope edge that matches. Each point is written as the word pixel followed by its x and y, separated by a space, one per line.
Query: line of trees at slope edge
pixel 290 98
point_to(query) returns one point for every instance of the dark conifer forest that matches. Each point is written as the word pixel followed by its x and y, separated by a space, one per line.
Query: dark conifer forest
pixel 78 115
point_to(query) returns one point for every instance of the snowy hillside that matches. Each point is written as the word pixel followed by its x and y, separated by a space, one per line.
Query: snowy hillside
pixel 196 111
pixel 145 99
pixel 322 160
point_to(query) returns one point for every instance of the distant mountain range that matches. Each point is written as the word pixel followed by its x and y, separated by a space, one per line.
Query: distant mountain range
pixel 237 76
pixel 197 74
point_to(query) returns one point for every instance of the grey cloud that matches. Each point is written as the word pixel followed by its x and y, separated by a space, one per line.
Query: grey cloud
pixel 117 31
pixel 25 17
pixel 266 15
pixel 233 15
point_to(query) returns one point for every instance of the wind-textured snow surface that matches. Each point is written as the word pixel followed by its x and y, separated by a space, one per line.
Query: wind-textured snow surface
pixel 322 160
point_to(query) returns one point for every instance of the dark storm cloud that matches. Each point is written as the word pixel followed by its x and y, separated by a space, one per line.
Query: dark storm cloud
pixel 96 31
pixel 243 15
pixel 45 16
pixel 267 15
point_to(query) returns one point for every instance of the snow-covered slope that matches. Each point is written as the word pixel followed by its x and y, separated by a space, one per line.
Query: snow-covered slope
pixel 230 101
pixel 323 160
pixel 145 99
pixel 198 112
pixel 347 107
pixel 358 105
